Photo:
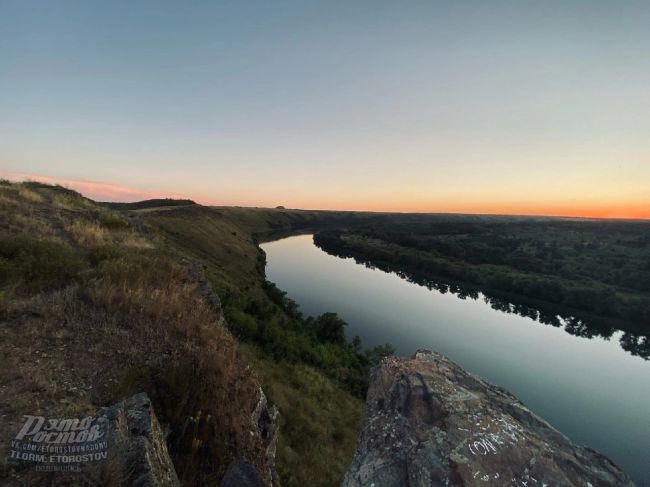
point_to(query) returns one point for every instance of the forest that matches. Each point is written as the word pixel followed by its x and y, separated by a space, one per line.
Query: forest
pixel 600 267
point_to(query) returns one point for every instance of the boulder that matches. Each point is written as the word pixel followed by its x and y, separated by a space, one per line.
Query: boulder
pixel 137 444
pixel 240 473
pixel 265 422
pixel 429 422
pixel 129 446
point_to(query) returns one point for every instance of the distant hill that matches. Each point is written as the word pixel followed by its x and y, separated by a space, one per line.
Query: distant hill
pixel 153 203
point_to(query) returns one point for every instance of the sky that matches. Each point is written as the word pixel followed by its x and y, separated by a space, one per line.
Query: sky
pixel 463 106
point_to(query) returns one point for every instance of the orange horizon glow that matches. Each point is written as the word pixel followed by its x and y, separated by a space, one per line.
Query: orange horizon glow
pixel 630 210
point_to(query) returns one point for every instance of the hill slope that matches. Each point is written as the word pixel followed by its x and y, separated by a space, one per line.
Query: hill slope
pixel 310 380
pixel 98 304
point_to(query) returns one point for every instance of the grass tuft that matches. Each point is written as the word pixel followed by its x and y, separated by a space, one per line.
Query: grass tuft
pixel 29 195
pixel 87 233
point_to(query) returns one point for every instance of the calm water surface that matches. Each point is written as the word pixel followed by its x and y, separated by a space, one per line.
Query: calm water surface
pixel 590 389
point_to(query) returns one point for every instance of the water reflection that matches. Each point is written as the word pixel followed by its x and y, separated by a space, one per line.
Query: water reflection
pixel 596 391
pixel 637 344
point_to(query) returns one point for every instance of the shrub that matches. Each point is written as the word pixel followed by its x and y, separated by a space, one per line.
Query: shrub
pixel 87 232
pixel 241 324
pixel 37 264
pixel 329 328
pixel 114 221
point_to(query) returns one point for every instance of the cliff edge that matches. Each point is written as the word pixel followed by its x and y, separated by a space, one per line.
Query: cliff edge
pixel 429 422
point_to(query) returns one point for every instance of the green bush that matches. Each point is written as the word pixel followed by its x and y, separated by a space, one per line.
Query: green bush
pixel 243 325
pixel 278 327
pixel 114 221
pixel 37 264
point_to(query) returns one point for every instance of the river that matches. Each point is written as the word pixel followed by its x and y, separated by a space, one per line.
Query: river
pixel 592 390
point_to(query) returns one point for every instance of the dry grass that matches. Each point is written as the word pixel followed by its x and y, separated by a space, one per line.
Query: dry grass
pixel 29 195
pixel 31 224
pixel 95 313
pixel 64 202
pixel 134 241
pixel 6 199
pixel 87 232
pixel 198 369
pixel 107 231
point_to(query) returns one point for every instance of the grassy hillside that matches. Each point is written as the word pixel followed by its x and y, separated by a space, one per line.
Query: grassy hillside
pixel 309 380
pixel 93 308
pixel 98 303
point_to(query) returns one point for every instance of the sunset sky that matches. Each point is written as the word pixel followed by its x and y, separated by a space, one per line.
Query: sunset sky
pixel 474 106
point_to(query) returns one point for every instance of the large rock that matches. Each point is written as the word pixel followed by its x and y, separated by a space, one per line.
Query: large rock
pixel 428 422
pixel 265 422
pixel 240 473
pixel 137 443
pixel 129 444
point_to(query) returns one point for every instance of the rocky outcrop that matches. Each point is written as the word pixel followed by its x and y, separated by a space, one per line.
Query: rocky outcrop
pixel 123 445
pixel 197 275
pixel 137 444
pixel 265 422
pixel 264 418
pixel 428 422
pixel 240 473
pixel 140 455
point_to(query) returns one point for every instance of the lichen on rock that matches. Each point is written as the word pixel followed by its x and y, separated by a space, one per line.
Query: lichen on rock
pixel 430 422
pixel 137 444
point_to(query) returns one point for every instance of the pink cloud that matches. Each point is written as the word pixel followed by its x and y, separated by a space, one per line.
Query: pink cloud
pixel 93 190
